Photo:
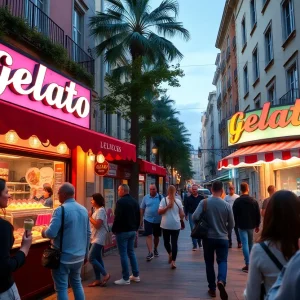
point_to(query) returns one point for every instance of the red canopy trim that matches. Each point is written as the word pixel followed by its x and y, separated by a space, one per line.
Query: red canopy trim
pixel 261 153
pixel 150 168
pixel 27 123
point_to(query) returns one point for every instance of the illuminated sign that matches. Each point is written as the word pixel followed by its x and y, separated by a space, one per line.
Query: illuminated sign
pixel 101 169
pixel 108 146
pixel 265 124
pixel 26 83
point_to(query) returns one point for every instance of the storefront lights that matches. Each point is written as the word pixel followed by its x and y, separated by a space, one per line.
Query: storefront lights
pixel 11 137
pixel 100 158
pixel 62 148
pixel 34 142
pixel 91 155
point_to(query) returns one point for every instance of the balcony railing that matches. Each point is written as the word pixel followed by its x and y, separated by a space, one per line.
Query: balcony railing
pixel 229 84
pixel 228 53
pixel 290 97
pixel 219 101
pixel 234 43
pixel 235 74
pixel 39 20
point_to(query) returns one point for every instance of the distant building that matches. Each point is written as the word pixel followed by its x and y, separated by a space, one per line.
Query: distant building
pixel 196 167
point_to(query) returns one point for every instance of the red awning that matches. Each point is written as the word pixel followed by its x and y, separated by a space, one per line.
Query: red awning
pixel 149 168
pixel 27 123
pixel 258 154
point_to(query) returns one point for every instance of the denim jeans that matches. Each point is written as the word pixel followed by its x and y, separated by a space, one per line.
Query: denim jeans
pixel 125 241
pixel 210 246
pixel 173 247
pixel 95 259
pixel 11 294
pixel 236 230
pixel 246 237
pixel 192 224
pixel 61 277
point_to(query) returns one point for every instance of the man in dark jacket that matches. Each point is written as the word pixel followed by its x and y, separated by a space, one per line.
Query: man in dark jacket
pixel 126 224
pixel 247 218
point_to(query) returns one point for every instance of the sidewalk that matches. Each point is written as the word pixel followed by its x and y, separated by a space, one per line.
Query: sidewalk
pixel 158 281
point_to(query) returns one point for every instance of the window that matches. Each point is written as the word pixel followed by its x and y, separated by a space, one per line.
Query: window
pixel 247 108
pixel 246 80
pixel 127 130
pixel 34 13
pixel 244 34
pixel 269 45
pixel 288 18
pixel 253 12
pixel 119 122
pixel 109 124
pixel 228 41
pixel 257 101
pixel 292 75
pixel 255 63
pixel 228 77
pixel 272 94
pixel 77 27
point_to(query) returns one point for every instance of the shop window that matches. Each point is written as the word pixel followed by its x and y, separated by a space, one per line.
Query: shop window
pixel 288 179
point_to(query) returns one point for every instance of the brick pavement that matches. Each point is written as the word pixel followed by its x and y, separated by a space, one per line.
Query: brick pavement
pixel 188 281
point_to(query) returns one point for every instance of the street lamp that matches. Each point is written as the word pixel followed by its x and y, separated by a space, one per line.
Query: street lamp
pixel 154 150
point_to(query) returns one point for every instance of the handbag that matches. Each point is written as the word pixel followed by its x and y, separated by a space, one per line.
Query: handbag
pixel 109 234
pixel 51 256
pixel 182 224
pixel 200 229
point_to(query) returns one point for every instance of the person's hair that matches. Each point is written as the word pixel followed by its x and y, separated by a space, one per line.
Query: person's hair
pixel 171 194
pixel 98 198
pixel 195 185
pixel 231 186
pixel 282 222
pixel 271 189
pixel 2 185
pixel 244 187
pixel 68 189
pixel 152 185
pixel 217 186
pixel 48 189
pixel 125 188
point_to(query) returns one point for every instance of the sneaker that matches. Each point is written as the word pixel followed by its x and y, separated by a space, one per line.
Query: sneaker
pixel 156 254
pixel 239 245
pixel 194 248
pixel 245 269
pixel 122 282
pixel 149 257
pixel 212 293
pixel 135 279
pixel 223 293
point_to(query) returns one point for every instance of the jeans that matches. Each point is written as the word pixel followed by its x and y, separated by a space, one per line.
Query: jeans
pixel 95 259
pixel 173 235
pixel 11 294
pixel 125 241
pixel 192 224
pixel 236 230
pixel 247 243
pixel 61 277
pixel 210 246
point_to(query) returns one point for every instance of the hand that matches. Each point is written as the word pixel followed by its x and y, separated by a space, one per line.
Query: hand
pixel 26 242
pixel 90 213
pixel 85 261
pixel 257 230
pixel 186 218
pixel 169 205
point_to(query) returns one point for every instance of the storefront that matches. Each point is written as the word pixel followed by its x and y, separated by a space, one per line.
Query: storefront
pixel 269 148
pixel 45 138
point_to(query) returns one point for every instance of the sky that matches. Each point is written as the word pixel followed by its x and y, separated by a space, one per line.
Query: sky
pixel 202 18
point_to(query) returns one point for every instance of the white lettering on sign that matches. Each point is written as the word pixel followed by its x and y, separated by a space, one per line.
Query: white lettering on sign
pixel 107 146
pixel 153 168
pixel 22 82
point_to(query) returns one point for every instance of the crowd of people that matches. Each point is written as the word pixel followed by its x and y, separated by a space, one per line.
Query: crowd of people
pixel 272 262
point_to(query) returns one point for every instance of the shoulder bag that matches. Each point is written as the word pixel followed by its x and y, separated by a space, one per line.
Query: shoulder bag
pixel 201 227
pixel 109 234
pixel 51 256
pixel 182 225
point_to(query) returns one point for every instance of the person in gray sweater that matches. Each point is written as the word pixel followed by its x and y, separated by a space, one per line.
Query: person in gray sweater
pixel 220 219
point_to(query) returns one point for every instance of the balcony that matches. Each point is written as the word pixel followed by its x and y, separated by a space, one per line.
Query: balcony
pixel 229 84
pixel 234 43
pixel 235 74
pixel 290 97
pixel 39 21
pixel 227 54
pixel 219 101
pixel 223 66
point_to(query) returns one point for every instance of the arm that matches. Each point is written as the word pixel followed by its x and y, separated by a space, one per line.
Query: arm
pixel 230 225
pixel 163 207
pixel 88 239
pixel 257 215
pixel 98 221
pixel 142 211
pixel 138 217
pixel 235 211
pixel 186 205
pixel 118 213
pixel 198 212
pixel 55 225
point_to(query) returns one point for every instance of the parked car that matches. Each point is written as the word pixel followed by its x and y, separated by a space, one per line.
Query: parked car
pixel 205 192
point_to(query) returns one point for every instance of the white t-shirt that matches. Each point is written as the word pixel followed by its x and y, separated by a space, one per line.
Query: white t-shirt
pixel 171 219
pixel 98 235
pixel 230 199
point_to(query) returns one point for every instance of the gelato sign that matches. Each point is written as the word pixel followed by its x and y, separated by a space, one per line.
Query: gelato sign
pixel 269 123
pixel 29 84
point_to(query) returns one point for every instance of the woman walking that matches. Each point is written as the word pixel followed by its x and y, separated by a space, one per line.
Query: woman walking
pixel 278 243
pixel 99 227
pixel 171 210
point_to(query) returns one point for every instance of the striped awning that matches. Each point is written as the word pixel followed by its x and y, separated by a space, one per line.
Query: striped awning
pixel 258 154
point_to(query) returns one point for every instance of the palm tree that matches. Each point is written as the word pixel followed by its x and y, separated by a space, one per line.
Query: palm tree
pixel 130 29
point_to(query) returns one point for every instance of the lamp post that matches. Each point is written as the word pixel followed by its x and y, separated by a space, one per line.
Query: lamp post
pixel 156 153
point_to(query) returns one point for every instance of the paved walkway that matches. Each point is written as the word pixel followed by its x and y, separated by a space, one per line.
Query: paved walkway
pixel 188 281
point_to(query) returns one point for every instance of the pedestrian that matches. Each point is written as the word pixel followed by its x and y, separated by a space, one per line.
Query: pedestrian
pixel 8 263
pixel 99 226
pixel 190 205
pixel 76 241
pixel 280 234
pixel 172 212
pixel 271 192
pixel 219 216
pixel 230 198
pixel 247 218
pixel 126 224
pixel 149 214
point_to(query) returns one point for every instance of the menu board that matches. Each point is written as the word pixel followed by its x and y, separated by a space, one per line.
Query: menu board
pixel 59 179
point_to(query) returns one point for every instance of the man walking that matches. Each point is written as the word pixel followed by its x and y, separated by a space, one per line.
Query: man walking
pixel 230 198
pixel 149 213
pixel 219 216
pixel 190 205
pixel 247 218
pixel 271 191
pixel 126 224
pixel 76 241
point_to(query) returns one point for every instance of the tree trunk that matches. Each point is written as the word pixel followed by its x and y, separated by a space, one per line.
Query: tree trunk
pixel 157 177
pixel 148 142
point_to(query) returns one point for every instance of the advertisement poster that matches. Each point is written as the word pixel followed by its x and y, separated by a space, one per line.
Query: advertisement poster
pixel 59 179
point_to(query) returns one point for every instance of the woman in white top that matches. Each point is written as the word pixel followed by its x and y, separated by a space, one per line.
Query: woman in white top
pixel 281 231
pixel 171 210
pixel 99 227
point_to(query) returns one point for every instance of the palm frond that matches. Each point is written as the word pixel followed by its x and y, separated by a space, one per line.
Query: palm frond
pixel 170 29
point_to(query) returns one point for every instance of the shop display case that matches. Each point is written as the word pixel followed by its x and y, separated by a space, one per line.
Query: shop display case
pixel 18 190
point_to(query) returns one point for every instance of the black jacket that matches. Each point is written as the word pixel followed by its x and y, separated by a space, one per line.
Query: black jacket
pixel 191 203
pixel 246 212
pixel 127 215
pixel 8 264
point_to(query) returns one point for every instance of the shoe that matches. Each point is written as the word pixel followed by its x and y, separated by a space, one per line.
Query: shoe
pixel 173 265
pixel 230 246
pixel 239 245
pixel 156 254
pixel 212 293
pixel 200 246
pixel 223 293
pixel 170 258
pixel 245 269
pixel 135 279
pixel 149 257
pixel 195 248
pixel 122 282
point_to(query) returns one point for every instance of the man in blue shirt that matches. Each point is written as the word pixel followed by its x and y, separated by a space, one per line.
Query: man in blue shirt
pixel 149 212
